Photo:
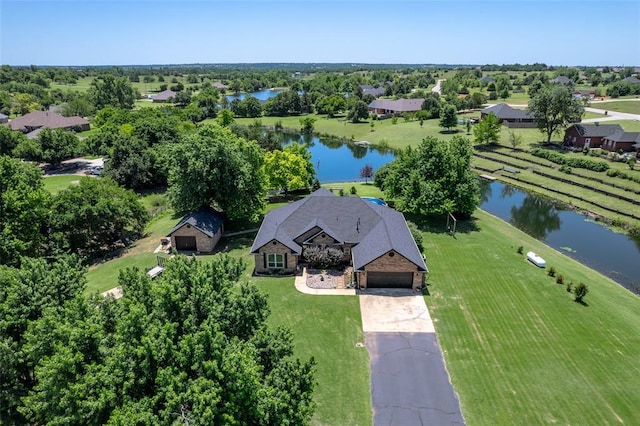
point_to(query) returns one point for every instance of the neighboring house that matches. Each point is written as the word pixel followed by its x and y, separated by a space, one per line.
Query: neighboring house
pixel 621 140
pixel 220 86
pixel 52 120
pixel 3 119
pixel 198 231
pixel 388 107
pixel 510 117
pixel 374 239
pixel 589 135
pixel 562 80
pixel 374 91
pixel 584 94
pixel 631 79
pixel 164 96
pixel 486 79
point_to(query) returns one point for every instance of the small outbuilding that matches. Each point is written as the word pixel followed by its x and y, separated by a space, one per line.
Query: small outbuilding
pixel 198 231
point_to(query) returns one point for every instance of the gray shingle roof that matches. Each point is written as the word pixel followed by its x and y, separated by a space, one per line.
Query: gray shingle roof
pixel 48 119
pixel 597 131
pixel 505 112
pixel 399 105
pixel 374 229
pixel 622 136
pixel 631 79
pixel 163 96
pixel 205 219
pixel 487 79
pixel 561 79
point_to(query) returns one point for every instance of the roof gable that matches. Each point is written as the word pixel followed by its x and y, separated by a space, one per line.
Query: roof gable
pixel 596 130
pixel 505 112
pixel 206 220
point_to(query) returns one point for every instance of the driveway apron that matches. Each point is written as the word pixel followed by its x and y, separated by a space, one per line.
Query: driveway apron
pixel 409 382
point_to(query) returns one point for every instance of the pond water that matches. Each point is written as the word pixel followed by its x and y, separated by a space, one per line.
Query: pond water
pixel 338 162
pixel 261 95
pixel 615 255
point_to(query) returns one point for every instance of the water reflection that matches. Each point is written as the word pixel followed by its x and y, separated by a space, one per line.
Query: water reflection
pixel 535 216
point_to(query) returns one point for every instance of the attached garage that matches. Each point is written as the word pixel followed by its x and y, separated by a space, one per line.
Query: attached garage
pixel 390 280
pixel 187 243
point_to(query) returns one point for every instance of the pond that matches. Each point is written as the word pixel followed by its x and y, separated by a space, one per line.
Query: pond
pixel 338 162
pixel 261 95
pixel 615 255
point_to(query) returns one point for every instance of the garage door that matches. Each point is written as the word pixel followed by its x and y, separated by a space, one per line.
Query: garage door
pixel 389 279
pixel 186 243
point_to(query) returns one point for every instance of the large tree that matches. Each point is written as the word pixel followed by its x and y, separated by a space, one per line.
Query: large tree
pixel 433 178
pixel 448 116
pixel 359 111
pixel 57 145
pixel 216 168
pixel 286 170
pixel 9 139
pixel 487 130
pixel 110 90
pixel 193 348
pixel 90 218
pixel 23 210
pixel 553 108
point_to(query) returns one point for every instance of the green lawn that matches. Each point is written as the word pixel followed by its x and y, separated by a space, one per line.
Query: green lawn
pixel 631 107
pixel 54 184
pixel 518 349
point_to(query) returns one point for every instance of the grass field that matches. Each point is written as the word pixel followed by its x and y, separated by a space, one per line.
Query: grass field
pixel 631 107
pixel 55 184
pixel 518 349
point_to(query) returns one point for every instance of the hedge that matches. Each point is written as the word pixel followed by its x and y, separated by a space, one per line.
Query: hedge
pixel 578 163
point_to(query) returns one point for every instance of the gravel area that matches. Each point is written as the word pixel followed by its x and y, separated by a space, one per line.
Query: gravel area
pixel 323 279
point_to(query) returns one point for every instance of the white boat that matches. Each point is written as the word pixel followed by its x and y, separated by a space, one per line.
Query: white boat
pixel 536 260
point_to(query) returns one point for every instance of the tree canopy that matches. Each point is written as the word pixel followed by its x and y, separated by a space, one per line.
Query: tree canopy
pixel 110 90
pixel 433 178
pixel 193 348
pixel 289 168
pixel 23 210
pixel 214 167
pixel 448 116
pixel 553 108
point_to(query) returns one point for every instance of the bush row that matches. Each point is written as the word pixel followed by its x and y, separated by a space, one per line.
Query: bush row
pixel 579 163
pixel 623 175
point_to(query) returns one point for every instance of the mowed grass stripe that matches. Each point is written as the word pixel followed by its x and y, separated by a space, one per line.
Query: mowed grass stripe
pixel 518 349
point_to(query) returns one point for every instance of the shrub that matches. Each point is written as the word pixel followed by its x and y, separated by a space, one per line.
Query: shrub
pixel 580 292
pixel 341 192
pixel 565 169
pixel 569 287
pixel 394 120
pixel 559 279
pixel 278 125
pixel 353 190
pixel 520 249
pixel 578 163
pixel 416 234
pixel 551 272
pixel 322 258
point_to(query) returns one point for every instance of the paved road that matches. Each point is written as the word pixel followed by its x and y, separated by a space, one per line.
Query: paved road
pixel 409 381
pixel 436 88
pixel 611 115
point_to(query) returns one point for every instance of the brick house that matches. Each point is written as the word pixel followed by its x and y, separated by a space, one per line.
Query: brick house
pixel 589 135
pixel 198 231
pixel 621 140
pixel 374 239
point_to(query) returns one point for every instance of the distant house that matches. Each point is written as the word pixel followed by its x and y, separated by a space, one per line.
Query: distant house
pixel 562 80
pixel 165 96
pixel 486 79
pixel 510 117
pixel 389 107
pixel 373 91
pixel 47 119
pixel 584 94
pixel 632 80
pixel 589 135
pixel 3 119
pixel 198 231
pixel 621 140
pixel 220 86
pixel 374 240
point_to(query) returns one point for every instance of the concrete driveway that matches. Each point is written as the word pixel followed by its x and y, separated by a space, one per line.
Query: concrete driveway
pixel 409 382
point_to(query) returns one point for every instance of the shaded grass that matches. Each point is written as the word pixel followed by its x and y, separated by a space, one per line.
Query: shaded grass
pixel 518 349
pixel 55 184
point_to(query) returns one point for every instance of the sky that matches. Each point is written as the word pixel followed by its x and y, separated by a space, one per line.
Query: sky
pixel 105 32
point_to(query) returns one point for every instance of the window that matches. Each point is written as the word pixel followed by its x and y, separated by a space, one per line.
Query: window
pixel 275 260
